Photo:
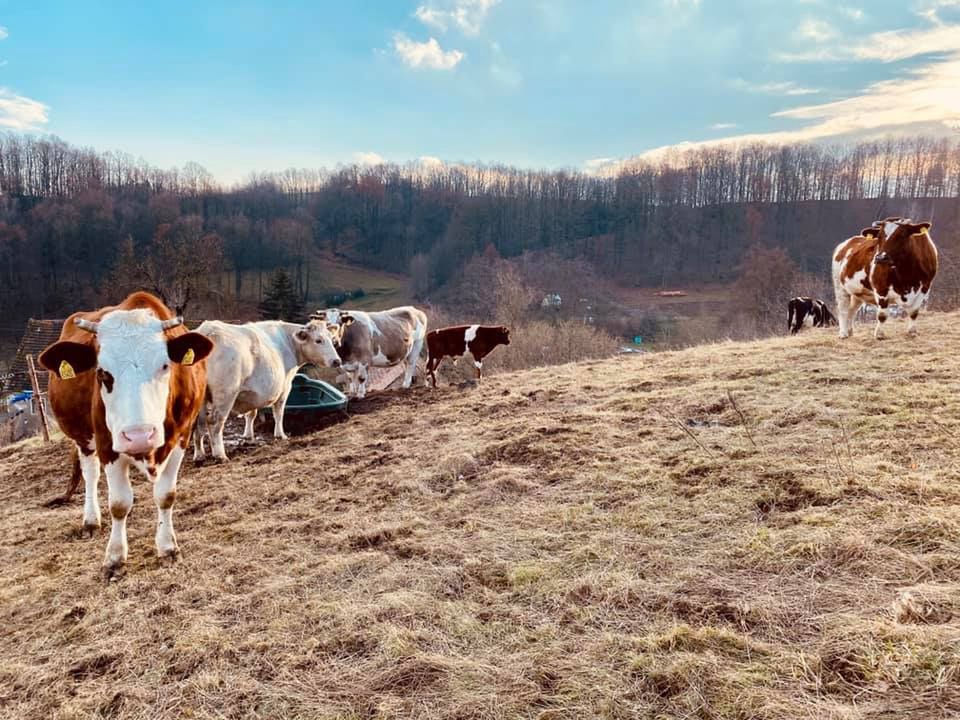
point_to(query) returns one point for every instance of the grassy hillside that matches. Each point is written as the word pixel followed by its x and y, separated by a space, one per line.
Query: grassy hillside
pixel 757 530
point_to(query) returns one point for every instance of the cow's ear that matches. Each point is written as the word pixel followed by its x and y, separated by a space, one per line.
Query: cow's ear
pixel 301 335
pixel 922 227
pixel 869 232
pixel 319 315
pixel 189 348
pixel 346 319
pixel 67 359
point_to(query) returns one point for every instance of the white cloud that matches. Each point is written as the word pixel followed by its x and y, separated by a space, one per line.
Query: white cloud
pixel 773 88
pixel 4 33
pixel 21 113
pixel 816 31
pixel 723 126
pixel 429 161
pixel 467 16
pixel 427 54
pixel 900 44
pixel 854 13
pixel 923 101
pixel 368 158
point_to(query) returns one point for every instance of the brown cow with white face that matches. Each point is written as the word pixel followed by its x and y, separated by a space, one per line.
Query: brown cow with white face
pixel 126 384
pixel 892 262
pixel 457 341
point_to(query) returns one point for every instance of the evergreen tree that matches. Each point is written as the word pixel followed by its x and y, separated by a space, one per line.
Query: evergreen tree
pixel 281 301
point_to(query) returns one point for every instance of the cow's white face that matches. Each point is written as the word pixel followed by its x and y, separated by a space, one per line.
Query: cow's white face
pixel 133 367
pixel 316 344
pixel 336 321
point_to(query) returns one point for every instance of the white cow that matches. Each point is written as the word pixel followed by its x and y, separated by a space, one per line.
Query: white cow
pixel 252 367
pixel 380 339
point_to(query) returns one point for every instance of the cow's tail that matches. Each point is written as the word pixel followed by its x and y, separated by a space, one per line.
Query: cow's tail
pixel 76 475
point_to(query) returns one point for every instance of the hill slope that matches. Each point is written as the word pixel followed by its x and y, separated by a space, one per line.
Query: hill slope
pixel 612 539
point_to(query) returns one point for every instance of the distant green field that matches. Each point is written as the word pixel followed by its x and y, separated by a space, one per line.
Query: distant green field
pixel 330 276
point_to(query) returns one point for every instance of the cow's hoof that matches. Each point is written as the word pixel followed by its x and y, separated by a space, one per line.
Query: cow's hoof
pixel 168 557
pixel 89 529
pixel 113 571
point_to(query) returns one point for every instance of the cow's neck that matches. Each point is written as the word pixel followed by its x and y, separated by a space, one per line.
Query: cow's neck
pixel 281 333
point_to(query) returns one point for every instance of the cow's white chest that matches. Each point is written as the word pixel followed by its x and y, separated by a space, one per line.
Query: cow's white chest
pixel 856 284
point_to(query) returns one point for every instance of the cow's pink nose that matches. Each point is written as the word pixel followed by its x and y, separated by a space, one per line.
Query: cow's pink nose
pixel 137 439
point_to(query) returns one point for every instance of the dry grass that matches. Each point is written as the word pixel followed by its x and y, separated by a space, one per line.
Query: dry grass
pixel 755 530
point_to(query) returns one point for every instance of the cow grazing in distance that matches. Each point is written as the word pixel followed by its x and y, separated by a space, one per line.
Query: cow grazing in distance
pixel 893 262
pixel 457 341
pixel 379 339
pixel 807 312
pixel 251 367
pixel 126 384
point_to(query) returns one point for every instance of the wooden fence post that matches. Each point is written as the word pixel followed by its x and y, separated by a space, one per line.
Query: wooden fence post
pixel 38 398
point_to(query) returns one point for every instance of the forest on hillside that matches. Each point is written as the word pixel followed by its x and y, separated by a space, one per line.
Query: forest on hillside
pixel 77 225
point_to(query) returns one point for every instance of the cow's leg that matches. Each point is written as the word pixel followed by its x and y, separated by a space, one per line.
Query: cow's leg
pixel 219 414
pixel 278 408
pixel 351 370
pixel 846 310
pixel 361 380
pixel 912 322
pixel 433 364
pixel 90 468
pixel 882 305
pixel 164 494
pixel 411 361
pixel 120 500
pixel 200 429
pixel 478 364
pixel 249 419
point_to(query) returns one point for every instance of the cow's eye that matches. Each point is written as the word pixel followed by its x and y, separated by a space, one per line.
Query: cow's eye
pixel 166 366
pixel 106 379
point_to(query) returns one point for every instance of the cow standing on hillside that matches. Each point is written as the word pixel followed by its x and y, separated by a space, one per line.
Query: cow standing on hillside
pixel 126 384
pixel 893 262
pixel 807 312
pixel 457 341
pixel 252 367
pixel 380 339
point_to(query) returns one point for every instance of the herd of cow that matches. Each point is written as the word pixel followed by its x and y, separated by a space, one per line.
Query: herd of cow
pixel 129 384
pixel 891 263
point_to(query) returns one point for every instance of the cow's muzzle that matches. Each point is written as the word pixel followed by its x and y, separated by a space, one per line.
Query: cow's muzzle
pixel 137 439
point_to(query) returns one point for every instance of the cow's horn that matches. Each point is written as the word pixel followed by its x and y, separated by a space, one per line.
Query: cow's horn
pixel 171 323
pixel 89 326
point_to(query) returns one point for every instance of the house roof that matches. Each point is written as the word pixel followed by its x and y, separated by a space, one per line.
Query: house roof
pixel 38 335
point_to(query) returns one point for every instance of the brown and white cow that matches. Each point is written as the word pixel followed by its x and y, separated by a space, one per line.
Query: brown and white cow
pixel 126 384
pixel 892 262
pixel 380 339
pixel 457 341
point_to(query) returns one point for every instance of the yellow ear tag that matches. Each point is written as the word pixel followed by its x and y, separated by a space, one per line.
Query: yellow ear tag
pixel 188 357
pixel 66 371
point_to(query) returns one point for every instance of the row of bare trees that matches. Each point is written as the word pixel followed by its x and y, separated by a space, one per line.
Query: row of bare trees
pixel 76 224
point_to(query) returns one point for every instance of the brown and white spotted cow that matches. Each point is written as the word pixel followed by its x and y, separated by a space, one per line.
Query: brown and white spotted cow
pixel 126 384
pixel 457 341
pixel 892 262
pixel 380 339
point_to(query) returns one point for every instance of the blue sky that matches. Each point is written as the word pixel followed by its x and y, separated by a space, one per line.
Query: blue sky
pixel 243 86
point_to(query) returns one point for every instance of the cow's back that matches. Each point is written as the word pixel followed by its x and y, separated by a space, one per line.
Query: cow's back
pixel 244 362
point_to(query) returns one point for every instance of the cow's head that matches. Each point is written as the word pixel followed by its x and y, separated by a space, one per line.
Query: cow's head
pixel 133 362
pixel 896 228
pixel 315 344
pixel 503 335
pixel 336 321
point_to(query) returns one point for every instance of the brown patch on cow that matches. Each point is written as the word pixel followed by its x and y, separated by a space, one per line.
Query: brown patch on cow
pixel 166 502
pixel 118 511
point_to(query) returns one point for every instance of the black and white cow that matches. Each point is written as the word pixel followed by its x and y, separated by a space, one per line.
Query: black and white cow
pixel 807 312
